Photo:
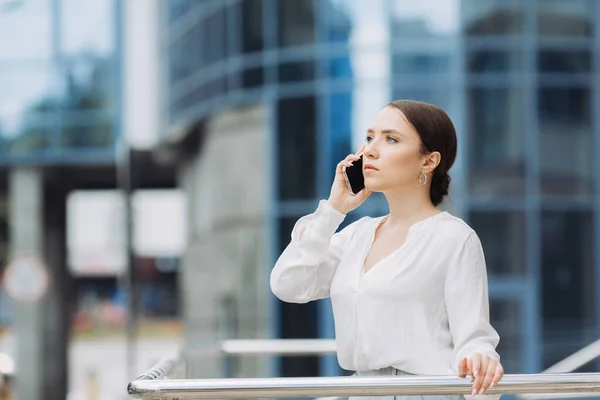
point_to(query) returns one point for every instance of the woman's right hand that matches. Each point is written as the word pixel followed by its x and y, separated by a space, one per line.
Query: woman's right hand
pixel 340 197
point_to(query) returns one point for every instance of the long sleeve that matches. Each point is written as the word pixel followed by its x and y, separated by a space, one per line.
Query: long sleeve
pixel 467 303
pixel 306 267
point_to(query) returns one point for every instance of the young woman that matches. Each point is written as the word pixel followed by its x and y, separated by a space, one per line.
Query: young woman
pixel 409 290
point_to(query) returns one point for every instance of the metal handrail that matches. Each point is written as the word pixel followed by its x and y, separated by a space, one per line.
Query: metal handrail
pixel 156 382
pixel 253 388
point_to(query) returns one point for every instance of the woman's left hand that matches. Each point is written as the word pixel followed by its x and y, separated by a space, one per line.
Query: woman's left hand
pixel 486 372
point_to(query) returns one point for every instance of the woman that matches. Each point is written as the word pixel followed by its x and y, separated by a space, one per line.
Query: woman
pixel 409 290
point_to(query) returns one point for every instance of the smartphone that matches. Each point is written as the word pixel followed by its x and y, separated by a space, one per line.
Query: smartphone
pixel 354 176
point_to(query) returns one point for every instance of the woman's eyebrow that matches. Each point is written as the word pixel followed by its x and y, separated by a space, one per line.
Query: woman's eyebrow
pixel 370 130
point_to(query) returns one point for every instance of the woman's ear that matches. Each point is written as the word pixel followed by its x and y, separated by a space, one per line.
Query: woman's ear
pixel 431 161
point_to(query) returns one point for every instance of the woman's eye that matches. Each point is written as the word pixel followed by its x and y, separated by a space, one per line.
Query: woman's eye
pixel 391 139
pixel 369 138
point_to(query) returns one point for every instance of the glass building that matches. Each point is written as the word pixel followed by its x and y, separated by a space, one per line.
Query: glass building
pixel 59 81
pixel 517 78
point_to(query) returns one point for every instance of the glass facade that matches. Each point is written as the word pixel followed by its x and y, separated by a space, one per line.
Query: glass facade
pixel 516 76
pixel 59 80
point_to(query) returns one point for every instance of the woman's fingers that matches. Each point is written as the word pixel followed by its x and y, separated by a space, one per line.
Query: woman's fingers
pixel 489 376
pixel 498 374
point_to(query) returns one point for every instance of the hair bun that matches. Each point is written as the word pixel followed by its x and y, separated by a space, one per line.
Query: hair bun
pixel 439 187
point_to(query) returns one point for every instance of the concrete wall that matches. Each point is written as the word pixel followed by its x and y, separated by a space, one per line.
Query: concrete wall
pixel 223 276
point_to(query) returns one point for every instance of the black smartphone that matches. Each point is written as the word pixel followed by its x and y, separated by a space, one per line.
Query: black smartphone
pixel 354 176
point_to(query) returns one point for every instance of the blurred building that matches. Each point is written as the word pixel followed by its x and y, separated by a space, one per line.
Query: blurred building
pixel 77 94
pixel 263 97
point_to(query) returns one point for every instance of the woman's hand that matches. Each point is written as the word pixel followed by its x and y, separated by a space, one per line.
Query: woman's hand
pixel 340 197
pixel 486 372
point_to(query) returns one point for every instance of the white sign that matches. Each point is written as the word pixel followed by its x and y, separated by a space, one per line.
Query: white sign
pixel 26 279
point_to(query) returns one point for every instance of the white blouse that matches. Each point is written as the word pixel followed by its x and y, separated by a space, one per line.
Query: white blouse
pixel 420 310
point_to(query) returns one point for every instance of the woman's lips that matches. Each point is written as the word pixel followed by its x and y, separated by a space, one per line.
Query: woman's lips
pixel 369 167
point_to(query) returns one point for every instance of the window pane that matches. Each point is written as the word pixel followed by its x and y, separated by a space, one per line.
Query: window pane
pixel 25 29
pixel 296 136
pixel 505 317
pixel 567 283
pixel 425 18
pixel 252 34
pixel 502 235
pixel 565 18
pixel 88 28
pixel 214 43
pixel 564 61
pixel 417 64
pixel 296 22
pixel 486 61
pixel 492 17
pixel 340 128
pixel 252 77
pixel 178 8
pixel 296 71
pixel 495 121
pixel 566 143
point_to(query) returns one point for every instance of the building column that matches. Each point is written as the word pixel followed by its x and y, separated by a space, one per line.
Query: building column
pixel 38 228
pixel 26 237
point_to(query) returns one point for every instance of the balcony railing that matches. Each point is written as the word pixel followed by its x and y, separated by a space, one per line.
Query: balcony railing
pixel 163 381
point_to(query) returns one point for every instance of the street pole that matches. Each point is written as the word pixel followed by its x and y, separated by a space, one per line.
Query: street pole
pixel 125 184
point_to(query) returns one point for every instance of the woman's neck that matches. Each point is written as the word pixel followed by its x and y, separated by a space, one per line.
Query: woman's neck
pixel 409 206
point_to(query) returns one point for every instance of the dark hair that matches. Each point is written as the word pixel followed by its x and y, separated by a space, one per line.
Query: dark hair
pixel 437 134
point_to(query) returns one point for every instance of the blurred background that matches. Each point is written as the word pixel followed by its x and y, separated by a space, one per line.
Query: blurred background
pixel 155 155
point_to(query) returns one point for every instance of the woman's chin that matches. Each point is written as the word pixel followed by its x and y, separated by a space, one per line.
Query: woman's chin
pixel 373 187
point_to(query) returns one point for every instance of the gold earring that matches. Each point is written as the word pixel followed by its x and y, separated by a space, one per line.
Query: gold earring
pixel 423 178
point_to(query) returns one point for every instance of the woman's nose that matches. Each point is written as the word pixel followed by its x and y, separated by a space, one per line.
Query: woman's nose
pixel 370 151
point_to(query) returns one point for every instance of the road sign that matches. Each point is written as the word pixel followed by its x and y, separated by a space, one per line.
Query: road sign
pixel 26 279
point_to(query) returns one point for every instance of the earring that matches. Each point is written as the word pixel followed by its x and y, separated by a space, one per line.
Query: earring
pixel 423 178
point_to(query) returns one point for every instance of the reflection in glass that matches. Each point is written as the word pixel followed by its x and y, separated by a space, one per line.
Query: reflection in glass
pixel 565 18
pixel 425 18
pixel 32 138
pixel 505 317
pixel 490 61
pixel 25 91
pixel 567 283
pixel 502 235
pixel 566 141
pixel 564 61
pixel 496 141
pixel 88 27
pixel 296 125
pixel 492 17
pixel 97 136
pixel 296 22
pixel 25 29
pixel 88 84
